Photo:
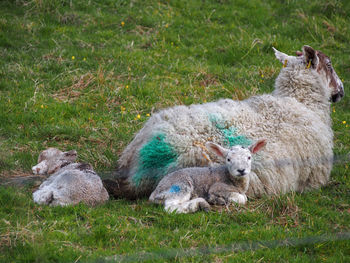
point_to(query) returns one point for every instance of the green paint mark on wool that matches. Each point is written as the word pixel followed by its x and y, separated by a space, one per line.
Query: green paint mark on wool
pixel 229 133
pixel 155 159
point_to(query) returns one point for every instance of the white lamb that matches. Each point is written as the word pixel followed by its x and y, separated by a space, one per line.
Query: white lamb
pixel 70 183
pixel 190 189
pixel 294 118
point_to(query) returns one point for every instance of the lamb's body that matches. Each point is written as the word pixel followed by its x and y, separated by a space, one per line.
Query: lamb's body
pixel 295 119
pixel 70 183
pixel 190 189
pixel 205 185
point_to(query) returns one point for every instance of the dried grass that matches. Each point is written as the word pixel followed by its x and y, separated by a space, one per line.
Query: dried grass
pixel 73 92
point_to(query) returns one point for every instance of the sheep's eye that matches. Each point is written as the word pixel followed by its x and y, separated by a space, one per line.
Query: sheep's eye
pixel 249 158
pixel 229 160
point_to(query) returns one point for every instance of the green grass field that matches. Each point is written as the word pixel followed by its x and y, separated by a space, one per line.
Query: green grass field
pixel 86 75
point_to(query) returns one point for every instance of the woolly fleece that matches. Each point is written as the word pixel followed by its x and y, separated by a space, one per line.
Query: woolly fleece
pixel 294 119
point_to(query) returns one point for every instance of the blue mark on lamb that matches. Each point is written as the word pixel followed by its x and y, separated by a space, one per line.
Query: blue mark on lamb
pixel 174 189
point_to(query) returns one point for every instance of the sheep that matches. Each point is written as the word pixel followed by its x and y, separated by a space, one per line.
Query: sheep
pixel 216 185
pixel 294 118
pixel 70 183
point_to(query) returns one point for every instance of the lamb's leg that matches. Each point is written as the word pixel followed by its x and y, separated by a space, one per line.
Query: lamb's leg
pixel 197 204
pixel 223 194
pixel 237 198
pixel 189 206
pixel 177 198
pixel 43 196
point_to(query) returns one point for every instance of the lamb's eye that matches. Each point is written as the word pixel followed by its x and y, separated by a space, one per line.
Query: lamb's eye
pixel 249 158
pixel 228 159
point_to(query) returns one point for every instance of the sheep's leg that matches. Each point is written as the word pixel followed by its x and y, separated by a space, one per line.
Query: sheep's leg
pixel 223 194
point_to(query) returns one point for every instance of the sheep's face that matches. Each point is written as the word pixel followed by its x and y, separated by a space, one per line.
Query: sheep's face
pixel 319 66
pixel 52 159
pixel 239 161
pixel 327 72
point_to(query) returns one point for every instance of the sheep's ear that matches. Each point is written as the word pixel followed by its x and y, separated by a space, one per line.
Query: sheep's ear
pixel 311 58
pixel 217 149
pixel 281 56
pixel 254 148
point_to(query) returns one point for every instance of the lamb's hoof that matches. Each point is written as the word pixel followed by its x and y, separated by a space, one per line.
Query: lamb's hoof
pixel 216 200
pixel 204 207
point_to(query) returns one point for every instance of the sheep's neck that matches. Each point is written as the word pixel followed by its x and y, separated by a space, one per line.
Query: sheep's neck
pixel 307 91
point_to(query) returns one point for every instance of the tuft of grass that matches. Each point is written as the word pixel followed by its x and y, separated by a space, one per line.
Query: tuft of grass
pixel 86 75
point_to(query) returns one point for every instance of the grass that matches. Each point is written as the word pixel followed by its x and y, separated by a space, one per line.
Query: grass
pixel 85 75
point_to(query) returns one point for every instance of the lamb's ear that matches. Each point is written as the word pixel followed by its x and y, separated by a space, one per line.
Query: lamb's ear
pixel 217 149
pixel 280 56
pixel 310 55
pixel 254 148
pixel 55 165
pixel 70 155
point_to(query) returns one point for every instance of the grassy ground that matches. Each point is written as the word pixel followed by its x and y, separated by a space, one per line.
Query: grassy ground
pixel 85 75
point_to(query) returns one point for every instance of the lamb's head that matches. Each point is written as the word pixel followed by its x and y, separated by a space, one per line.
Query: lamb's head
pixel 52 159
pixel 238 159
pixel 315 67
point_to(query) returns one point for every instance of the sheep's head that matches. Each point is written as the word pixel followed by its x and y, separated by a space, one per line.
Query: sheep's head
pixel 238 159
pixel 52 159
pixel 320 64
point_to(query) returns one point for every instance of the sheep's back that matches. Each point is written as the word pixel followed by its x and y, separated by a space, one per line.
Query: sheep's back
pixel 298 142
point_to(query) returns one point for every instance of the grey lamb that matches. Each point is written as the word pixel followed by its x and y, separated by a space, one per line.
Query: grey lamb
pixel 190 189
pixel 70 183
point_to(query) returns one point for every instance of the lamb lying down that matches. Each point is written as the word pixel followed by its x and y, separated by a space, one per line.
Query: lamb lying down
pixel 190 189
pixel 70 183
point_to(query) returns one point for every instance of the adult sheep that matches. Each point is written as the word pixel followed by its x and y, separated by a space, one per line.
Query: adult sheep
pixel 294 119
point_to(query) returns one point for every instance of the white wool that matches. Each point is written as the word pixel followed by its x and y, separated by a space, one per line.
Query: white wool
pixel 294 119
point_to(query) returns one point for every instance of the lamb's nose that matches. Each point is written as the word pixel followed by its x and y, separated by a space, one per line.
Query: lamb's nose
pixel 241 172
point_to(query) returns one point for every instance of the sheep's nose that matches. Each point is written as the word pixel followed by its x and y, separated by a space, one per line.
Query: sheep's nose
pixel 241 172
